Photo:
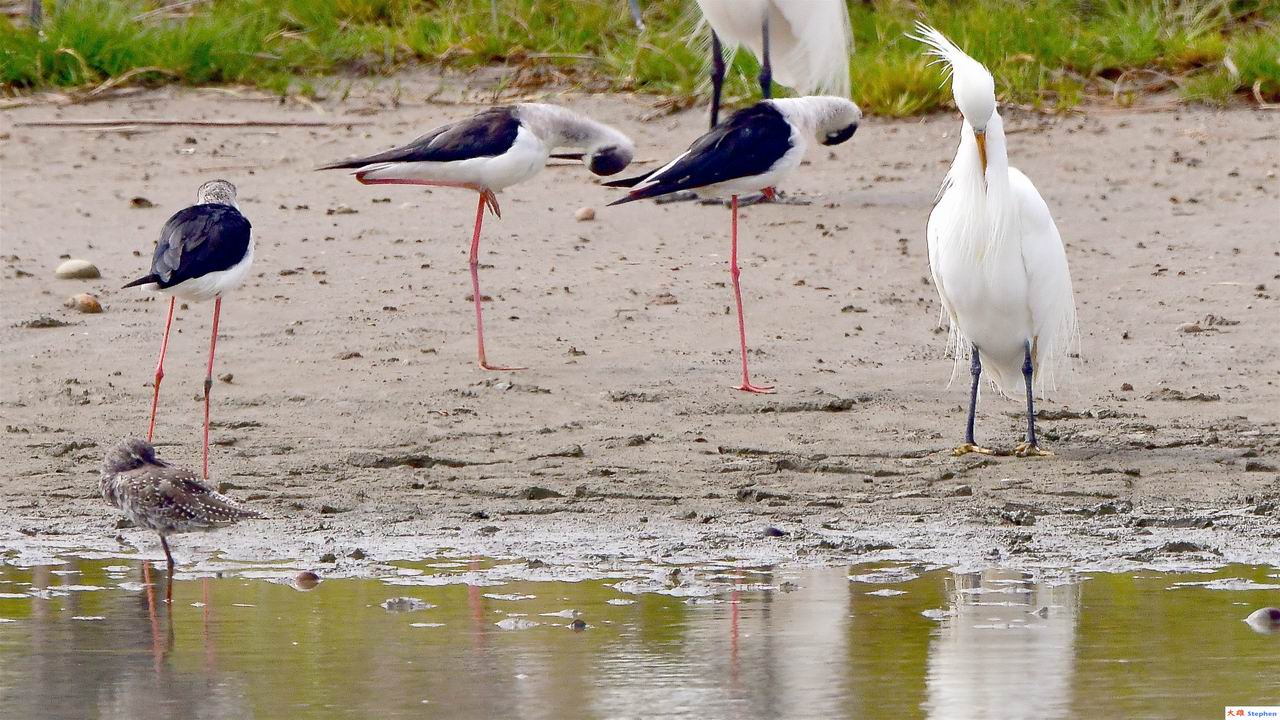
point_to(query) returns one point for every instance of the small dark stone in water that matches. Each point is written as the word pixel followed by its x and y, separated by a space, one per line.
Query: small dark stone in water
pixel 405 604
pixel 488 530
pixel 124 524
pixel 356 554
pixel 774 532
pixel 534 564
pixel 306 580
pixel 328 558
pixel 479 515
pixel 578 625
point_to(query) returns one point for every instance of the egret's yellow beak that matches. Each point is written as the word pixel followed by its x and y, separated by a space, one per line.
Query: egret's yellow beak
pixel 981 137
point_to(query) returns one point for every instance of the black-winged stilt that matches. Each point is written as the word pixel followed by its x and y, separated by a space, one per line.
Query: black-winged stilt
pixel 205 250
pixel 750 151
pixel 158 496
pixel 488 152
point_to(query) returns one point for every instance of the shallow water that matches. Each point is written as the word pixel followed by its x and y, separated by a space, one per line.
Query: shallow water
pixel 85 638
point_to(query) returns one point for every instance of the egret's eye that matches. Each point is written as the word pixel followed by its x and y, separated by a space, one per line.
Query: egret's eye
pixel 841 135
pixel 608 161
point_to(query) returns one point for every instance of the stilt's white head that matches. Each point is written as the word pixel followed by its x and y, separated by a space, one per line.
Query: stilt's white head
pixel 971 84
pixel 831 119
pixel 218 192
pixel 608 150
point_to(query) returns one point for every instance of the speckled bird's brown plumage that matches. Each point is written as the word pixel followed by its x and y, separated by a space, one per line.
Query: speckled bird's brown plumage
pixel 160 497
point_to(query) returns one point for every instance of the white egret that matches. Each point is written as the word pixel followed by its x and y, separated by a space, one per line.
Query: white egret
pixel 803 44
pixel 996 256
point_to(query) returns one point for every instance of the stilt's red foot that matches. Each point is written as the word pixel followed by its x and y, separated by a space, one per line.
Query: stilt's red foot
pixel 760 389
pixel 499 368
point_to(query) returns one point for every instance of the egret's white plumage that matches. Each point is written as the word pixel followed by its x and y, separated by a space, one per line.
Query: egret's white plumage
pixel 809 40
pixel 995 253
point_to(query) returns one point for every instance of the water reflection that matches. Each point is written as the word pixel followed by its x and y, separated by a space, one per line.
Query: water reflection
pixel 93 638
pixel 1005 633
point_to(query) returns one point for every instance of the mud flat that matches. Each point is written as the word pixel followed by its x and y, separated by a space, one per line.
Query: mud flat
pixel 350 410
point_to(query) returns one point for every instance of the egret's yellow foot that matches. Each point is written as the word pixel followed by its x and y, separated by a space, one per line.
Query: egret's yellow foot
pixel 967 448
pixel 1026 449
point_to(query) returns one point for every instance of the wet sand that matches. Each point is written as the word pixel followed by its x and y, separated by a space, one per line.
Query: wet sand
pixel 355 417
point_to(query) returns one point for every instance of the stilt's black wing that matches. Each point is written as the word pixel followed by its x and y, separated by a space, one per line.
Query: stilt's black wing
pixel 199 240
pixel 487 134
pixel 748 143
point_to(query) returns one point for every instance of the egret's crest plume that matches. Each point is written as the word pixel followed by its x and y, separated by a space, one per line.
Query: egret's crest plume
pixel 972 86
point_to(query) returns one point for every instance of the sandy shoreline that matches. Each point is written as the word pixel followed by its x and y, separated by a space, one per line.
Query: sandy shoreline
pixel 355 418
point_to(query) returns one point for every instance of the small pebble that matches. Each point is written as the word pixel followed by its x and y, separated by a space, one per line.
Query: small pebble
pixel 1127 387
pixel 578 625
pixel 77 270
pixel 84 302
pixel 306 580
pixel 141 202
pixel 584 214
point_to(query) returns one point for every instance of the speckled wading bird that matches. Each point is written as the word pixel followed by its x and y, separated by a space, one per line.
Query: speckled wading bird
pixel 487 152
pixel 158 496
pixel 204 251
pixel 751 151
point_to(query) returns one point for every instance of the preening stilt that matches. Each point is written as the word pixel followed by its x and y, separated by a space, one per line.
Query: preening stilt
pixel 751 151
pixel 490 151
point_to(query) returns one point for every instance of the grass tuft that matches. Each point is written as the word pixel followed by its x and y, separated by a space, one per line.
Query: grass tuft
pixel 1050 54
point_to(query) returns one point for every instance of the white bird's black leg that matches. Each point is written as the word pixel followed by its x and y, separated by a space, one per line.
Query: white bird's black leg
pixel 717 88
pixel 717 77
pixel 766 69
pixel 636 14
pixel 971 445
pixel 1029 447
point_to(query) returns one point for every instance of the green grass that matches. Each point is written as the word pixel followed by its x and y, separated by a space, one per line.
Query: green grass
pixel 1050 54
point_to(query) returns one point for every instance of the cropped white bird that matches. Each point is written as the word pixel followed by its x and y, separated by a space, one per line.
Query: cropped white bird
pixel 996 256
pixel 803 44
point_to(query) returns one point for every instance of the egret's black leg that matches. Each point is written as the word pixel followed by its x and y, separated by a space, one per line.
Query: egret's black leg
pixel 717 76
pixel 971 445
pixel 636 15
pixel 975 369
pixel 766 69
pixel 1029 447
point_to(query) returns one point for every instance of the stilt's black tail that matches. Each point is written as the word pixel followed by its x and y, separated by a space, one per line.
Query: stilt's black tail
pixel 628 182
pixel 143 281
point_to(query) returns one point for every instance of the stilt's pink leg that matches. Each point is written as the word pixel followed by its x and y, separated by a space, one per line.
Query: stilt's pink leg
pixel 486 200
pixel 164 347
pixel 746 385
pixel 208 380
